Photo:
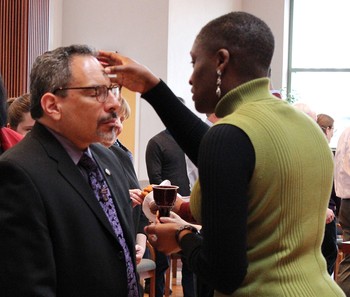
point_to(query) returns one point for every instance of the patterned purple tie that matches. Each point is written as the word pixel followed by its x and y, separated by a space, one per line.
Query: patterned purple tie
pixel 102 193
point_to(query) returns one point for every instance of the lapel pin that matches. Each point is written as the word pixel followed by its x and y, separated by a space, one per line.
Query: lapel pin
pixel 107 171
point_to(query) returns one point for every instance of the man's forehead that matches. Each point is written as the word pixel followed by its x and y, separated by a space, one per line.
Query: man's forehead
pixel 84 61
pixel 87 66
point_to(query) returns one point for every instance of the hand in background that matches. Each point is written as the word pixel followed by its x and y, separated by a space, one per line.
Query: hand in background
pixel 147 190
pixel 329 216
pixel 153 207
pixel 136 197
pixel 139 253
pixel 177 204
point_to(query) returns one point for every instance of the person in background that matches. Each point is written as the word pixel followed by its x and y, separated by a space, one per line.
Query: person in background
pixel 18 114
pixel 125 156
pixel 123 114
pixel 166 160
pixel 306 109
pixel 326 123
pixel 342 190
pixel 329 244
pixel 276 93
pixel 66 223
pixel 259 166
pixel 8 137
pixel 192 170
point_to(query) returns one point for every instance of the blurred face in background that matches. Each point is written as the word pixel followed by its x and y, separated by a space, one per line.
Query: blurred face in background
pixel 119 125
pixel 26 124
pixel 329 133
pixel 326 123
pixel 18 114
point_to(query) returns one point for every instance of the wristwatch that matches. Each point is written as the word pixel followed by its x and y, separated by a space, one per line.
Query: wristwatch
pixel 182 228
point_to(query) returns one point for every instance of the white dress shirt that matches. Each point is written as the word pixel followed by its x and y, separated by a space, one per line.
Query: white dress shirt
pixel 192 170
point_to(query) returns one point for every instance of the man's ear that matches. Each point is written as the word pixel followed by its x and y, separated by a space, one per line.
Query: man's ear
pixel 51 106
pixel 223 57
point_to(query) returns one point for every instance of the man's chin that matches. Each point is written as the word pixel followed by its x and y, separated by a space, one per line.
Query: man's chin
pixel 107 138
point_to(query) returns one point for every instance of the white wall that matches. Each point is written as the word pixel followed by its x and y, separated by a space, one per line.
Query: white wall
pixel 159 34
pixel 55 30
pixel 183 28
pixel 186 18
pixel 273 13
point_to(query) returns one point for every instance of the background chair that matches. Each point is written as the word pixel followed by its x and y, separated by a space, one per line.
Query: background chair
pixel 171 272
pixel 147 269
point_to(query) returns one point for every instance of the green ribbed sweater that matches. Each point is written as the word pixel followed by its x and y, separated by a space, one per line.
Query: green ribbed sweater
pixel 288 195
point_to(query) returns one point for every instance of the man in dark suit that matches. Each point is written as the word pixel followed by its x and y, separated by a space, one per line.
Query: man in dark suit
pixel 55 238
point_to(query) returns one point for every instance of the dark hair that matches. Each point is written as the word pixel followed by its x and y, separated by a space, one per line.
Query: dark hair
pixel 52 70
pixel 3 96
pixel 248 39
pixel 16 109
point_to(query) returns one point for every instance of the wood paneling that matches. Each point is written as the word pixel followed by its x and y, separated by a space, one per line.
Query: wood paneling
pixel 24 33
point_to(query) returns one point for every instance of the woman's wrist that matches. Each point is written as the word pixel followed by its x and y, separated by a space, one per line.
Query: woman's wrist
pixel 184 230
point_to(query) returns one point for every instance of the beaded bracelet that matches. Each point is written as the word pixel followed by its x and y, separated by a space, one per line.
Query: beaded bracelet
pixel 182 228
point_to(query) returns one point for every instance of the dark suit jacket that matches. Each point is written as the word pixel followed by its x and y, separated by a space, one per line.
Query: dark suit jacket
pixel 140 219
pixel 55 239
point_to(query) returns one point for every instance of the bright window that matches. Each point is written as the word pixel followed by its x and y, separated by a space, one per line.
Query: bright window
pixel 319 63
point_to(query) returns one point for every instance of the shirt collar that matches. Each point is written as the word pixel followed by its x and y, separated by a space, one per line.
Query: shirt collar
pixel 69 147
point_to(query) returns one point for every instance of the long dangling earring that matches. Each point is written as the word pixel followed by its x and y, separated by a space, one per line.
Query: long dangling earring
pixel 218 83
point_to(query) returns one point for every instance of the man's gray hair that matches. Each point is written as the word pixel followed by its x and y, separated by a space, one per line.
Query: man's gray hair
pixel 52 70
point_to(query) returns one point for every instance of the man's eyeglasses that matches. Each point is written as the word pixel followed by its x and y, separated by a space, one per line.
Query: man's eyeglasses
pixel 101 92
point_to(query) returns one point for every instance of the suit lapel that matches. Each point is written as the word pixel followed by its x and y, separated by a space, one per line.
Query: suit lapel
pixel 114 175
pixel 78 182
pixel 70 172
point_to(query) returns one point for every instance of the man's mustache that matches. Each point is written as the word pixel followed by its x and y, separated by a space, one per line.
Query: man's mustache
pixel 111 116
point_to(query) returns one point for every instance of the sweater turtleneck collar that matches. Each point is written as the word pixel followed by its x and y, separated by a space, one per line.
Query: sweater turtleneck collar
pixel 253 90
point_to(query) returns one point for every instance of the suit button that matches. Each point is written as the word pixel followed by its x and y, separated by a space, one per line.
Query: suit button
pixel 121 255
